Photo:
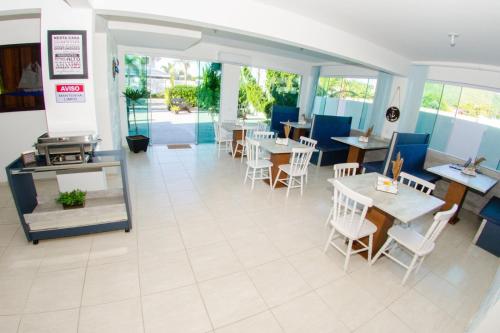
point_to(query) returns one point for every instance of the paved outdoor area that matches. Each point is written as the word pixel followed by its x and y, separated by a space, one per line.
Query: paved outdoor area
pixel 168 127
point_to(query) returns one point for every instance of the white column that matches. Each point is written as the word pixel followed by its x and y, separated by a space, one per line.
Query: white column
pixel 68 117
pixel 230 85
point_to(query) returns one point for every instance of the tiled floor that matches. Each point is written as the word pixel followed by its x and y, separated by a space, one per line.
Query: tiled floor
pixel 208 255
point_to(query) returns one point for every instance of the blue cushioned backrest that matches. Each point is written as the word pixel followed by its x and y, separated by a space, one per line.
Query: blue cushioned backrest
pixel 491 211
pixel 413 155
pixel 403 139
pixel 283 113
pixel 325 127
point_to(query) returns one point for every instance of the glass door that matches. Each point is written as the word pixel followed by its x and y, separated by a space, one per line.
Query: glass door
pixel 208 96
pixel 137 91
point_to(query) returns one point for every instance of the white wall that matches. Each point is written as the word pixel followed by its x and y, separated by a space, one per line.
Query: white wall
pixel 470 75
pixel 19 130
pixel 347 71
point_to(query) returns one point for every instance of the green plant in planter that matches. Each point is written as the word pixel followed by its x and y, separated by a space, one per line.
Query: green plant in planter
pixel 133 95
pixel 75 198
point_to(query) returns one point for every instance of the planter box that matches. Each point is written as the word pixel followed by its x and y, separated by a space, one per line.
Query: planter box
pixel 73 207
pixel 136 143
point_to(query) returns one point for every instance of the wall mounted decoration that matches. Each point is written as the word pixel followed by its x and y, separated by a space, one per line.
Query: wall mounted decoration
pixel 67 54
pixel 115 69
pixel 392 114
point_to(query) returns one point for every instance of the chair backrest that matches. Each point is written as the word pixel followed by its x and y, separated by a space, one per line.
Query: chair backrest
pixel 252 149
pixel 248 131
pixel 345 169
pixel 417 183
pixel 300 160
pixel 308 141
pixel 261 126
pixel 282 113
pixel 346 207
pixel 263 135
pixel 440 221
pixel 217 130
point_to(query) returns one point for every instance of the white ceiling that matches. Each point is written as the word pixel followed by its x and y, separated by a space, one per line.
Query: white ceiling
pixel 416 29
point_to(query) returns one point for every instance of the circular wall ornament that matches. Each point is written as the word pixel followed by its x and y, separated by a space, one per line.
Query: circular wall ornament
pixel 392 114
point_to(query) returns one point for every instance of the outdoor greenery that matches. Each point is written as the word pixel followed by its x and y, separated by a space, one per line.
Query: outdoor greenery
pixel 73 198
pixel 280 88
pixel 467 101
pixel 209 89
pixel 187 93
pixel 345 88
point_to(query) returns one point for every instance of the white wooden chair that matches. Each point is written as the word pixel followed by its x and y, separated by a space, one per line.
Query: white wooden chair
pixel 417 183
pixel 419 245
pixel 342 170
pixel 260 168
pixel 296 170
pixel 310 143
pixel 223 139
pixel 241 143
pixel 349 221
pixel 263 135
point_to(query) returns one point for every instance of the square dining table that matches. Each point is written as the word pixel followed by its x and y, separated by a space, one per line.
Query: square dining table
pixel 459 185
pixel 357 149
pixel 299 128
pixel 407 205
pixel 280 154
pixel 238 132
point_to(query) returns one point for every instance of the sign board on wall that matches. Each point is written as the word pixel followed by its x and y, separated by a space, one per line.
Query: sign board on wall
pixel 70 93
pixel 67 54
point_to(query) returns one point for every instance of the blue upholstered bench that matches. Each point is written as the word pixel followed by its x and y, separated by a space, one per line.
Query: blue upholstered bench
pixel 323 129
pixel 413 148
pixel 488 235
pixel 282 113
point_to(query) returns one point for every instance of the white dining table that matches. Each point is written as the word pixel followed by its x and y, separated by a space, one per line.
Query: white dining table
pixel 459 185
pixel 407 205
pixel 299 128
pixel 280 154
pixel 237 129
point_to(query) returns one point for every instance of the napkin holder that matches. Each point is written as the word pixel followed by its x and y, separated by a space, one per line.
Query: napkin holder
pixel 363 139
pixel 280 141
pixel 470 171
pixel 388 185
pixel 366 135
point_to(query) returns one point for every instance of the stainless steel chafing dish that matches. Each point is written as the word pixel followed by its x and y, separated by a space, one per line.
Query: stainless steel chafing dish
pixel 67 149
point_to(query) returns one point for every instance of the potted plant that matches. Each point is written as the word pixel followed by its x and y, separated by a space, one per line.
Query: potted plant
pixel 136 142
pixel 73 199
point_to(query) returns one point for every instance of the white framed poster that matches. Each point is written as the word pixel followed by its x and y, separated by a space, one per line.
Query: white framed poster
pixel 67 54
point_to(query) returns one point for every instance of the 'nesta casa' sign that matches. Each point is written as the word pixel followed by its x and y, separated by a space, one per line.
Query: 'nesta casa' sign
pixel 70 93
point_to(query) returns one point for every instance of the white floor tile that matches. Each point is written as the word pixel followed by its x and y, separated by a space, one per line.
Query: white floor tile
pixel 65 321
pixel 179 310
pixel 124 317
pixel 231 298
pixel 214 260
pixel 262 323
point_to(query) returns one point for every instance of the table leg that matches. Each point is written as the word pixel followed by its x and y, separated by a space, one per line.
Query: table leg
pixel 455 195
pixel 384 222
pixel 237 135
pixel 297 133
pixel 277 160
pixel 356 155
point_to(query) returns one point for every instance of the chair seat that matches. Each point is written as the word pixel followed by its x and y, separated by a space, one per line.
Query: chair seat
pixel 259 164
pixel 287 168
pixel 349 229
pixel 411 240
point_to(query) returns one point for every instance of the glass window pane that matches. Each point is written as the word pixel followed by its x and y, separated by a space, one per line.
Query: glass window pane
pixel 475 104
pixel 445 120
pixel 429 108
pixel 352 99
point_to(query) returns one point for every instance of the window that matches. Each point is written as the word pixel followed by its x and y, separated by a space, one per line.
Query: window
pixel 261 88
pixel 463 121
pixel 346 97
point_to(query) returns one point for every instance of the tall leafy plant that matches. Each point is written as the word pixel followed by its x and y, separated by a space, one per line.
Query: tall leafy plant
pixel 209 89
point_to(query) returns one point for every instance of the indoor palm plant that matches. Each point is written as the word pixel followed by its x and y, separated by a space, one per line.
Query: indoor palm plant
pixel 136 142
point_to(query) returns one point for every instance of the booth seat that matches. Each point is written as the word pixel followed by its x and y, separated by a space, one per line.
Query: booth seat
pixel 488 235
pixel 413 148
pixel 283 113
pixel 323 129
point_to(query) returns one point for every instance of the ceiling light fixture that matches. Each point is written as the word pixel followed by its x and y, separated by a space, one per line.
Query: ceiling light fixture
pixel 453 36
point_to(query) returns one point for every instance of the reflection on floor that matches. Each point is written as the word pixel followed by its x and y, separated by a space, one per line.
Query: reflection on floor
pixel 206 254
